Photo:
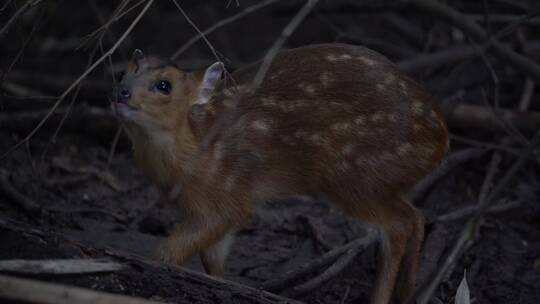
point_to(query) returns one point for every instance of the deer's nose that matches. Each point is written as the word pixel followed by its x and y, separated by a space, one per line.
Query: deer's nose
pixel 123 94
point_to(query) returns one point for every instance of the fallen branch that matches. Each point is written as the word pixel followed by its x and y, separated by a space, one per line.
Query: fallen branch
pixel 473 116
pixel 452 161
pixel 193 286
pixel 31 291
pixel 466 211
pixel 288 278
pixel 438 59
pixel 334 270
pixel 72 266
pixel 315 233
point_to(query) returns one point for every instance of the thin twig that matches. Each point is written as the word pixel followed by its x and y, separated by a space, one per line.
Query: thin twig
pixel 219 24
pixel 27 5
pixel 278 44
pixel 79 79
pixel 335 269
pixel 452 161
pixel 283 282
pixel 201 34
pixel 461 213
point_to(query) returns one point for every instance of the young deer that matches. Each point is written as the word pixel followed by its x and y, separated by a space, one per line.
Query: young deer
pixel 336 120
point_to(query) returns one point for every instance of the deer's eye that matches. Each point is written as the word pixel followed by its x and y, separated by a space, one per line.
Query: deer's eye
pixel 163 86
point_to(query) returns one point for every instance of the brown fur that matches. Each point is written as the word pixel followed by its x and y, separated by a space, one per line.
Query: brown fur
pixel 335 120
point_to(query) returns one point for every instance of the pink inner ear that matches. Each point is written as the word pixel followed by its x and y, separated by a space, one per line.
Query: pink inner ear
pixel 208 84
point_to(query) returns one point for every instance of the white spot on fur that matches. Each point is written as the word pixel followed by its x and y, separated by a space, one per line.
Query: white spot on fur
pixel 386 156
pixel 377 117
pixel 326 79
pixel 404 148
pixel 360 120
pixel 344 165
pixel 426 149
pixel 218 150
pixel 403 85
pixel 229 103
pixel 288 140
pixel 340 126
pixel 345 56
pixel 417 107
pixel 317 140
pixel 308 88
pixel 348 149
pixel 301 134
pixel 268 101
pixel 331 57
pixel 230 182
pixel 366 61
pixel 390 78
pixel 260 125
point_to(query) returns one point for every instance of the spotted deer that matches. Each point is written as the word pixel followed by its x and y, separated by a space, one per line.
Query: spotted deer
pixel 335 120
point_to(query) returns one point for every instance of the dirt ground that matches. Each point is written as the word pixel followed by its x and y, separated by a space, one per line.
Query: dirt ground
pixel 89 210
pixel 97 206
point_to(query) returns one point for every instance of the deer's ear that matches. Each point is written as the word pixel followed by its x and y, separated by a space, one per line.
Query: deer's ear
pixel 208 83
pixel 135 62
pixel 137 56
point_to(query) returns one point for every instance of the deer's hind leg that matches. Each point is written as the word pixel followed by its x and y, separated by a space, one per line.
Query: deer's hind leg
pixel 398 221
pixel 406 279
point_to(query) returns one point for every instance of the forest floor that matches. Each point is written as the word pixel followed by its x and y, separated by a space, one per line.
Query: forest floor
pixel 116 212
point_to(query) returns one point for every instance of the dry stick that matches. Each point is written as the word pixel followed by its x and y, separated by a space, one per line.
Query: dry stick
pixel 28 4
pixel 37 22
pixel 97 47
pixel 335 269
pixel 278 44
pixel 33 291
pixel 283 282
pixel 461 213
pixel 475 116
pixel 482 144
pixel 437 59
pixel 486 185
pixel 475 31
pixel 28 205
pixel 470 228
pixel 219 24
pixel 448 164
pixel 4 7
pixel 506 125
pixel 76 82
pixel 62 266
pixel 527 94
pixel 210 46
pixel 118 13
